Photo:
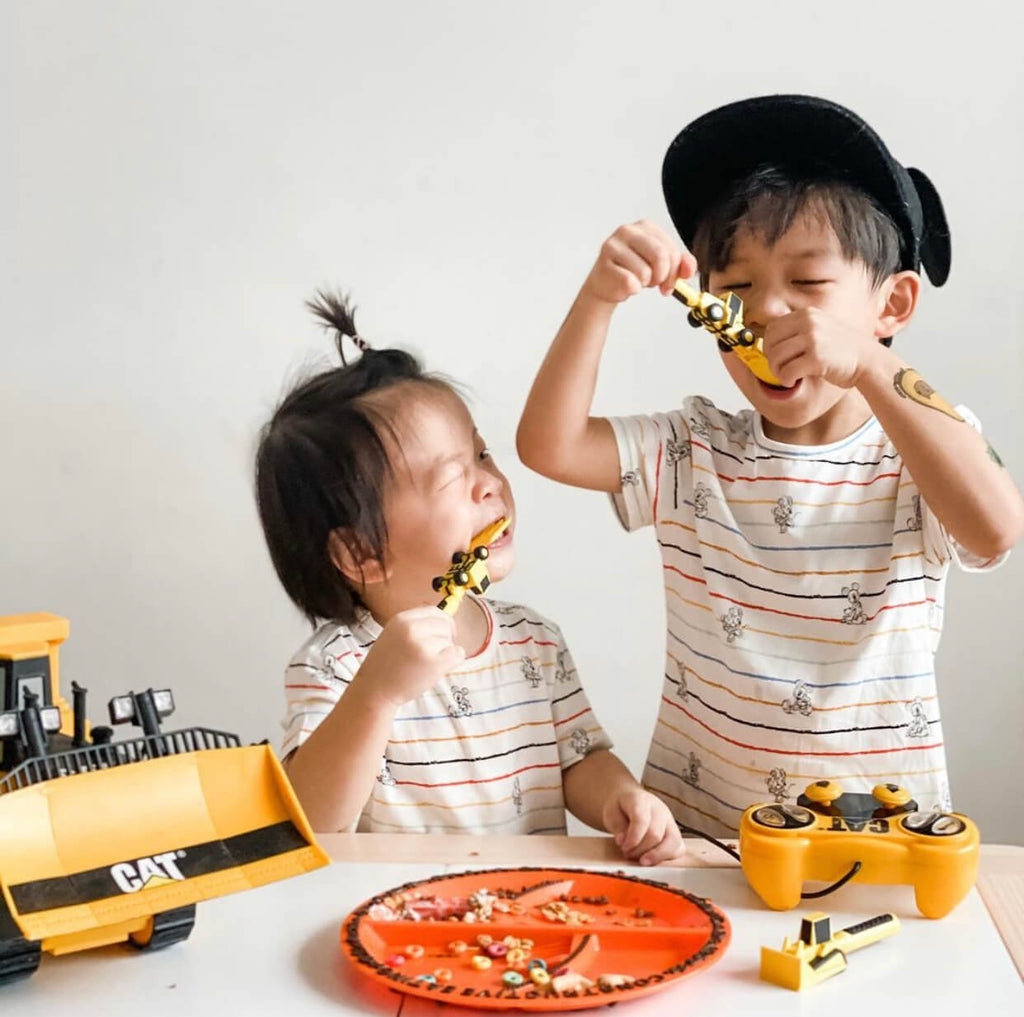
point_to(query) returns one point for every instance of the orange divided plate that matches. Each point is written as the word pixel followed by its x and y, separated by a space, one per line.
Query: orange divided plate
pixel 603 937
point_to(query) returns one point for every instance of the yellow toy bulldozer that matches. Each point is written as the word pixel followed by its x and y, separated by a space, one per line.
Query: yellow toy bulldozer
pixel 818 954
pixel 105 841
pixel 723 317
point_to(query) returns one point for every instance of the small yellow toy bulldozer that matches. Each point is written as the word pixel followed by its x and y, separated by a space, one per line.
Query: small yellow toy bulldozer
pixel 723 317
pixel 467 570
pixel 818 954
pixel 106 841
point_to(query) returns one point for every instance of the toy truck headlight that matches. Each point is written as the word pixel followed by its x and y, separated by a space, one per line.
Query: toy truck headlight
pixel 122 709
pixel 8 724
pixel 50 717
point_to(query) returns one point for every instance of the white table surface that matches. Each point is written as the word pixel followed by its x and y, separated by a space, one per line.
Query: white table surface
pixel 274 950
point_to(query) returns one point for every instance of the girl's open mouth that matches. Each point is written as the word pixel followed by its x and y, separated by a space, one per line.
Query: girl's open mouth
pixel 491 536
pixel 502 538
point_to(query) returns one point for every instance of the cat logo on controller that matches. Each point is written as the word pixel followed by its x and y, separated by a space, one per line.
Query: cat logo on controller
pixel 144 872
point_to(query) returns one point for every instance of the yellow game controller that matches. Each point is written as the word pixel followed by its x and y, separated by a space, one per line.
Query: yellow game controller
pixel 723 318
pixel 882 837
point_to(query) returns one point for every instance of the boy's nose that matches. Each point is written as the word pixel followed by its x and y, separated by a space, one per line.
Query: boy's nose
pixel 762 308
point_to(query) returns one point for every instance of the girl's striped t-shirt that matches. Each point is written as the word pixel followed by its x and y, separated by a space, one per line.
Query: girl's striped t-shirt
pixel 804 593
pixel 482 751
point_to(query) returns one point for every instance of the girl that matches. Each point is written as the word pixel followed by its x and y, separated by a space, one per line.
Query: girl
pixel 401 717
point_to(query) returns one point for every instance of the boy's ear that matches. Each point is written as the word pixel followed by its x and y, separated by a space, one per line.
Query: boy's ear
pixel 354 560
pixel 902 290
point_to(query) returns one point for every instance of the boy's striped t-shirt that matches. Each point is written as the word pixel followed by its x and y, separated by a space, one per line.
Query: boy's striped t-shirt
pixel 481 752
pixel 804 598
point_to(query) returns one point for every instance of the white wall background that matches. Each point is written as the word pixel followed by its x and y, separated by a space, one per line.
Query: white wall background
pixel 179 176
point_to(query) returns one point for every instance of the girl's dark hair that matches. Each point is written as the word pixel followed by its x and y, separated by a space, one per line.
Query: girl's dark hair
pixel 321 467
pixel 769 199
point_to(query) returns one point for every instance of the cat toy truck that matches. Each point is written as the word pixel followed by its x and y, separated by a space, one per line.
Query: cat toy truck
pixel 105 841
pixel 467 570
pixel 723 318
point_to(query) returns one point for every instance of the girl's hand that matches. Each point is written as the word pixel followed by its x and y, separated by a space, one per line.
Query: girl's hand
pixel 633 258
pixel 415 650
pixel 643 827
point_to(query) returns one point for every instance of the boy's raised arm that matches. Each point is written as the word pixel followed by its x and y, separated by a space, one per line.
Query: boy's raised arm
pixel 957 471
pixel 960 477
pixel 557 436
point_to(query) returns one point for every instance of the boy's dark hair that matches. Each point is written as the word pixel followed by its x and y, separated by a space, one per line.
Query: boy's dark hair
pixel 321 467
pixel 768 200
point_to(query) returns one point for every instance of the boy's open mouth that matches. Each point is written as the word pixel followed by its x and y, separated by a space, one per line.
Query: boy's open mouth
pixel 780 391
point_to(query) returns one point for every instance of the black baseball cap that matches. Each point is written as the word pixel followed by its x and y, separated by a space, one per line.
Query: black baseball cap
pixel 810 139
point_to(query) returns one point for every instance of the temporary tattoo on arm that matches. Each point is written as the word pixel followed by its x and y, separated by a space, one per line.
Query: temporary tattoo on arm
pixel 994 455
pixel 909 384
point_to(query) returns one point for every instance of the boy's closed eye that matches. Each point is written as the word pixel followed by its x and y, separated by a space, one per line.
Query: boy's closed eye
pixel 739 286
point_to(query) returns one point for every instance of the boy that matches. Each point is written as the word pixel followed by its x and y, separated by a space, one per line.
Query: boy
pixel 806 543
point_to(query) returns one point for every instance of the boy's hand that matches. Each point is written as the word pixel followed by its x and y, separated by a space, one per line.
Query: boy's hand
pixel 635 257
pixel 643 827
pixel 415 650
pixel 811 343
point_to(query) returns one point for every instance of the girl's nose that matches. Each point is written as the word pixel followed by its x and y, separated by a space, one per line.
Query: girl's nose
pixel 488 484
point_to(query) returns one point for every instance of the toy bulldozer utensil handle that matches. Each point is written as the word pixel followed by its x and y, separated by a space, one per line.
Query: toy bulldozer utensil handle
pixel 723 318
pixel 818 954
pixel 467 570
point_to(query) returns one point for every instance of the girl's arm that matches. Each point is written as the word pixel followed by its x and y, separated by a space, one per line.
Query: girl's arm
pixel 334 770
pixel 602 793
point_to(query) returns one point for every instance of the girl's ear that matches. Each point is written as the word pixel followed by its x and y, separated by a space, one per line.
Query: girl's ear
pixel 900 302
pixel 354 560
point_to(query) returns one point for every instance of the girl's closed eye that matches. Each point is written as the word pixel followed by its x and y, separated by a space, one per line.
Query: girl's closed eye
pixel 810 282
pixel 454 474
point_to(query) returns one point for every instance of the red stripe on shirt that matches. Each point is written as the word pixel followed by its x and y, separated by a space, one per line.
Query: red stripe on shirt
pixel 487 780
pixel 786 752
pixel 790 480
pixel 794 614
